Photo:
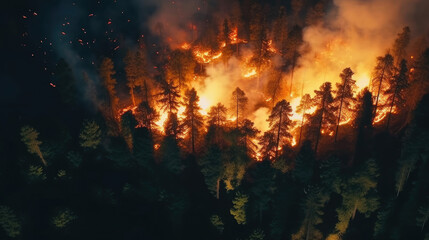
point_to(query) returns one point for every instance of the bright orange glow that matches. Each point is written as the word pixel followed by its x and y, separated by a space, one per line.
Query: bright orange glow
pixel 233 37
pixel 126 109
pixel 206 56
pixel 186 46
pixel 250 73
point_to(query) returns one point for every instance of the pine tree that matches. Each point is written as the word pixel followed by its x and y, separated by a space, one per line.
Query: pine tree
pixel 268 146
pixel 128 123
pixel 238 211
pixel 180 67
pixel 304 164
pixel 263 186
pixel 415 143
pixel 143 147
pixel 305 104
pixel 170 154
pixel 396 90
pixel 363 123
pixel 193 121
pixel 382 74
pixel 169 97
pixel 344 97
pixel 146 83
pixel 29 137
pixel 9 222
pixel 212 168
pixel 312 207
pixel 323 117
pixel 107 73
pixel 401 43
pixel 65 82
pixel 292 49
pixel 90 136
pixel 280 123
pixel 217 115
pixel 238 104
pixel 247 133
pixel 131 73
pixel 423 216
pixel 281 29
pixel 358 195
pixel 147 115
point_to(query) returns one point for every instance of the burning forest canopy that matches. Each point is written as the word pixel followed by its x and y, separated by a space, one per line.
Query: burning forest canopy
pixel 261 106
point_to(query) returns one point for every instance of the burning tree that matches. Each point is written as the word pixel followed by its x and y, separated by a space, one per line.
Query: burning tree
pixel 323 119
pixel 382 74
pixel 396 90
pixel 107 73
pixel 193 120
pixel 280 123
pixel 305 104
pixel 238 104
pixel 344 97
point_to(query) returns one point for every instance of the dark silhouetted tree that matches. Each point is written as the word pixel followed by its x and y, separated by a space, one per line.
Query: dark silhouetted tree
pixel 323 118
pixel 305 104
pixel 238 104
pixel 400 45
pixel 193 121
pixel 381 76
pixel 280 123
pixel 396 90
pixel 304 164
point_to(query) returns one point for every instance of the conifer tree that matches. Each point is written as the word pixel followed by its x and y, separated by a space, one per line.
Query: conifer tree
pixel 193 121
pixel 400 45
pixel 312 207
pixel 358 194
pixel 381 76
pixel 29 136
pixel 323 117
pixel 280 123
pixel 396 90
pixel 238 211
pixel 304 164
pixel 304 105
pixel 344 97
pixel 90 136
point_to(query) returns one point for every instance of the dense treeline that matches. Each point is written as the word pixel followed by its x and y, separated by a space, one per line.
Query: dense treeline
pixel 353 167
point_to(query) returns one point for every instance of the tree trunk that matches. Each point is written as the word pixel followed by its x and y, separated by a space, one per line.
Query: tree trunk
pixel 308 231
pixel 391 107
pixel 217 188
pixel 132 96
pixel 339 117
pixel 278 133
pixel 41 157
pixel 354 211
pixel 237 111
pixel 291 75
pixel 192 133
pixel 302 125
pixel 379 90
pixel 320 127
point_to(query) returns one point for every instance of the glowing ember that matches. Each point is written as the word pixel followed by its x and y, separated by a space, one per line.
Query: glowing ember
pixel 186 46
pixel 250 73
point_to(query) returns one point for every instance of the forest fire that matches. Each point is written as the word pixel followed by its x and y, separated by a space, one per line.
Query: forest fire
pixel 245 119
